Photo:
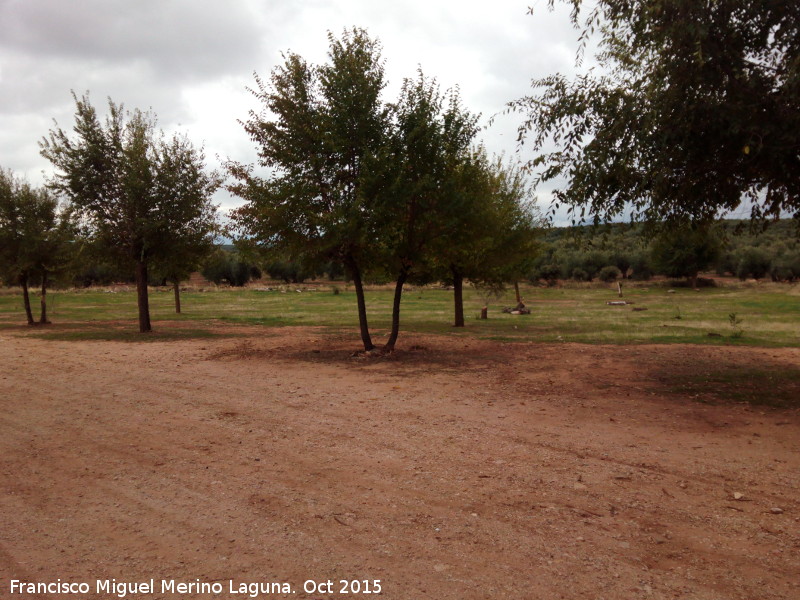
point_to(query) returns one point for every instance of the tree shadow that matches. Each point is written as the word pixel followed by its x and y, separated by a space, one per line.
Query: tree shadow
pixel 116 332
pixel 744 378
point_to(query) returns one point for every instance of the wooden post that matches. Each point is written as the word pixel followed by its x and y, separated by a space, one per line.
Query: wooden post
pixel 619 289
pixel 485 312
pixel 176 287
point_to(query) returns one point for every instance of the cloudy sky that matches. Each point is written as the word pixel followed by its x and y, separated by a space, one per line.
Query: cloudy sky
pixel 190 61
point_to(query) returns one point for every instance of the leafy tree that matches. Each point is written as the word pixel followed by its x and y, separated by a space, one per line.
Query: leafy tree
pixel 320 135
pixel 694 111
pixel 786 267
pixel 684 253
pixel 609 274
pixel 288 271
pixel 641 266
pixel 95 271
pixel 753 262
pixel 579 274
pixel 37 238
pixel 191 235
pixel 622 259
pixel 431 139
pixel 141 193
pixel 548 271
pixel 222 266
pixel 490 237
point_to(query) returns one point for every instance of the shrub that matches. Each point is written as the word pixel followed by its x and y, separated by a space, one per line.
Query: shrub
pixel 786 267
pixel 640 265
pixel 753 262
pixel 548 272
pixel 226 267
pixel 579 274
pixel 609 274
pixel 288 271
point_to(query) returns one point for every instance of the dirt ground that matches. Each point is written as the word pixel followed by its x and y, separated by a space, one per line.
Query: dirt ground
pixel 456 469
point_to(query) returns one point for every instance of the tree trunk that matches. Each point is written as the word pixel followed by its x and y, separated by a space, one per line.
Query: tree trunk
pixel 141 297
pixel 176 286
pixel 362 305
pixel 23 281
pixel 43 316
pixel 398 294
pixel 458 296
pixel 516 292
pixel 485 312
pixel 693 279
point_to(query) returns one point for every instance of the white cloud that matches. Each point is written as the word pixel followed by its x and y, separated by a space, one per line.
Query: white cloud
pixel 191 60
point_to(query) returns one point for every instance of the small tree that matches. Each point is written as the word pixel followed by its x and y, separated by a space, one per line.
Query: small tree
pixel 189 234
pixel 490 240
pixel 753 262
pixel 685 253
pixel 140 193
pixel 431 139
pixel 694 112
pixel 37 238
pixel 222 266
pixel 609 274
pixel 320 134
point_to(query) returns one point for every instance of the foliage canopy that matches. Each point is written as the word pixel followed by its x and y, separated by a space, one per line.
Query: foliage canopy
pixel 696 109
pixel 141 194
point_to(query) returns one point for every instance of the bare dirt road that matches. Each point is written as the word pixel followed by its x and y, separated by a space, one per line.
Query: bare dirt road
pixel 457 469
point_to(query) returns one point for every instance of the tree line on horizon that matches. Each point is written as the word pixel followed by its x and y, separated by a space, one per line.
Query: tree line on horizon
pixel 626 251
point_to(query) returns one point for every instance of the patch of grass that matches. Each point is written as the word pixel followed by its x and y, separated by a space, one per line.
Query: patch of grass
pixel 769 314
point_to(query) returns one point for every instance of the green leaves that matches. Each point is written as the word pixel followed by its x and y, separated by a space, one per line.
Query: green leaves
pixel 37 236
pixel 698 112
pixel 320 133
pixel 144 195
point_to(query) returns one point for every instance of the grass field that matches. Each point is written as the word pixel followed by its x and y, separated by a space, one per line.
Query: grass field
pixel 769 314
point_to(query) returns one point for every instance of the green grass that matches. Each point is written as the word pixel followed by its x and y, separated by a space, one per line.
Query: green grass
pixel 770 313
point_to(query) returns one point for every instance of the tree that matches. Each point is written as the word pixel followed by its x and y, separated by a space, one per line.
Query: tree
pixel 140 192
pixel 490 239
pixel 753 262
pixel 191 235
pixel 431 139
pixel 320 133
pixel 695 110
pixel 222 266
pixel 37 238
pixel 685 253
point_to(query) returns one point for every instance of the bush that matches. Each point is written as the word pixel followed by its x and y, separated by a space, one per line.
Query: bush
pixel 98 273
pixel 786 267
pixel 609 274
pixel 726 265
pixel 226 267
pixel 640 265
pixel 549 273
pixel 702 282
pixel 288 271
pixel 579 274
pixel 753 262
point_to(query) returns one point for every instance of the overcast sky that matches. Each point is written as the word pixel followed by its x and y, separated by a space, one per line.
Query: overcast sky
pixel 190 61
